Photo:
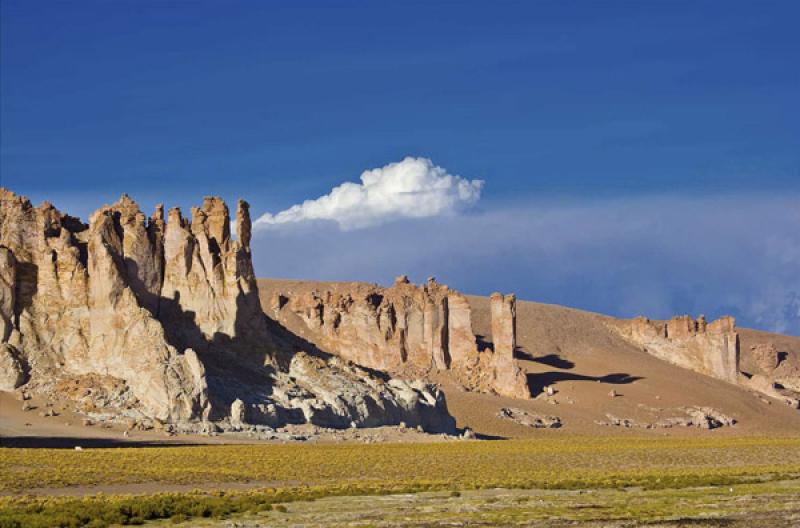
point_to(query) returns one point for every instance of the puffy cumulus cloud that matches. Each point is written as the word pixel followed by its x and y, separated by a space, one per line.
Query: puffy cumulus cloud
pixel 412 188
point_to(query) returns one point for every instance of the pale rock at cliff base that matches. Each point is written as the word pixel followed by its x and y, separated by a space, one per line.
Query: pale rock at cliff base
pixel 238 417
pixel 344 394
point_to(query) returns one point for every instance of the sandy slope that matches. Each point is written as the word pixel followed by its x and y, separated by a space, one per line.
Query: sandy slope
pixel 575 352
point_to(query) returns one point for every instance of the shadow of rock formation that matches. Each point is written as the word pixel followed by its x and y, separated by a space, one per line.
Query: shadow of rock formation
pixel 537 382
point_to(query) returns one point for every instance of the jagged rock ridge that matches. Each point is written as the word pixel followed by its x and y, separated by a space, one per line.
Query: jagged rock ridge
pixel 409 330
pixel 171 309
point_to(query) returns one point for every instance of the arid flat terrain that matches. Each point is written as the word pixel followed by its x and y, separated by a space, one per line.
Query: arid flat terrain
pixel 569 477
pixel 777 506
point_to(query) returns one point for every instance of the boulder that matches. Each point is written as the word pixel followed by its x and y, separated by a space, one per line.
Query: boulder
pixel 238 417
pixel 765 357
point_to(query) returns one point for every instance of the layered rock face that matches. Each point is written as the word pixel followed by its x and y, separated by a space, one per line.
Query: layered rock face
pixel 169 307
pixel 711 348
pixel 408 330
pixel 708 348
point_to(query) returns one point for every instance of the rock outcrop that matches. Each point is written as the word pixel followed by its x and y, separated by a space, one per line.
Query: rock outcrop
pixel 528 419
pixel 694 416
pixel 712 349
pixel 509 380
pixel 709 348
pixel 8 274
pixel 408 331
pixel 344 395
pixel 209 291
pixel 765 357
pixel 12 374
pixel 168 312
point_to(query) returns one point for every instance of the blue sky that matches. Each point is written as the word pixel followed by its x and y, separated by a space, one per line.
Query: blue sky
pixel 640 123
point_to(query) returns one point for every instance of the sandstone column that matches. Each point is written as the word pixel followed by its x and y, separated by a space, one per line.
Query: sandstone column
pixel 725 350
pixel 461 343
pixel 435 328
pixel 243 225
pixel 504 324
pixel 509 380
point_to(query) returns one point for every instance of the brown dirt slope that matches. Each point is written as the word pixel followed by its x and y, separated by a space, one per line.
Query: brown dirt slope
pixel 574 352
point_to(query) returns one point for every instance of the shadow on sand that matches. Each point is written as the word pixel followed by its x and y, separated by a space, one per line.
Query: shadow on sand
pixel 538 381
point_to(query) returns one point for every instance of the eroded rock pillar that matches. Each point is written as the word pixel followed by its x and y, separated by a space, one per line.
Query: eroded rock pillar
pixel 504 324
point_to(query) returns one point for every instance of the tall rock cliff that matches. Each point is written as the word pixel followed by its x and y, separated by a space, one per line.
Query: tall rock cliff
pixel 170 309
pixel 85 301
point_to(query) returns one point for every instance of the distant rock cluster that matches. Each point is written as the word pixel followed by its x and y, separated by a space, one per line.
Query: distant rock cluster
pixel 713 349
pixel 695 416
pixel 529 419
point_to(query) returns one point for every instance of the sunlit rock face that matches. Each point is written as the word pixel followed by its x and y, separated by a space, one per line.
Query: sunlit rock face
pixel 410 331
pixel 713 349
pixel 708 348
pixel 169 309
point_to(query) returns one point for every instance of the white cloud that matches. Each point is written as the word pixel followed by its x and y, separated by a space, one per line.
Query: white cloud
pixel 412 188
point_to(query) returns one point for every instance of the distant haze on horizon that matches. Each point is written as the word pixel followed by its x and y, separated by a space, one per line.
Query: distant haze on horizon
pixel 621 158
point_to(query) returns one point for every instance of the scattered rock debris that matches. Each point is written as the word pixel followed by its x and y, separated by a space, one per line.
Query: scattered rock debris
pixel 528 419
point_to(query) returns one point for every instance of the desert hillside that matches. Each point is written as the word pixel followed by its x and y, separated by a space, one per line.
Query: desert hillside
pixel 577 354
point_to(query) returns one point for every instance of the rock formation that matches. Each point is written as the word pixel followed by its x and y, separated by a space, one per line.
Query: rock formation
pixel 8 274
pixel 529 419
pixel 509 380
pixel 12 374
pixel 407 330
pixel 712 349
pixel 694 416
pixel 169 311
pixel 708 348
pixel 765 357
